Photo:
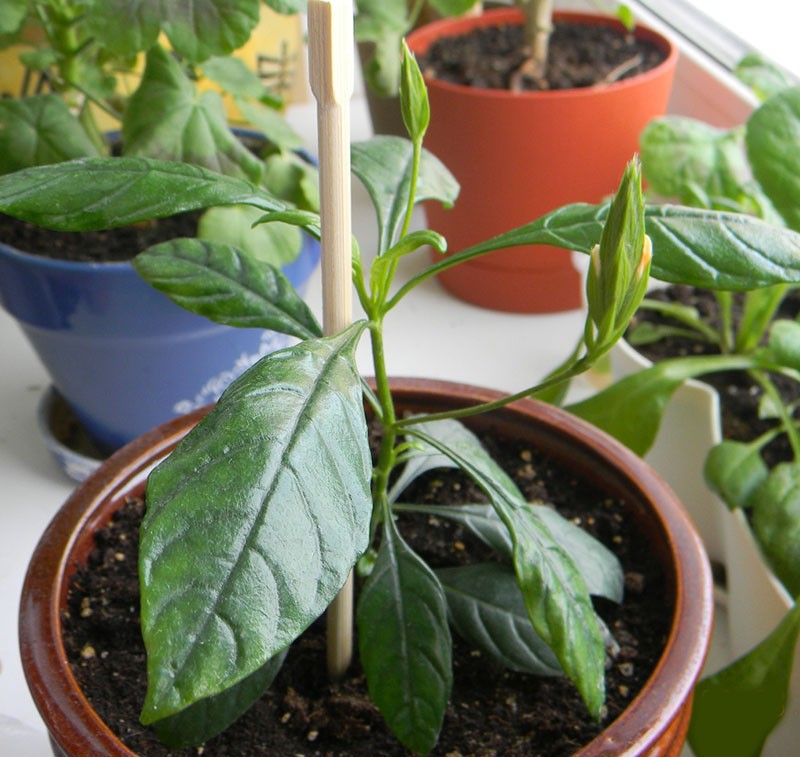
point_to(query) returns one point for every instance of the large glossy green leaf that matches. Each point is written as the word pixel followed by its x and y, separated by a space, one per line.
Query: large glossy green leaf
pixel 191 127
pixel 104 193
pixel 772 139
pixel 631 409
pixel 226 285
pixel 384 165
pixel 38 130
pixel 486 607
pixel 404 643
pixel 254 522
pixel 197 29
pixel 736 709
pixel 211 716
pixel 556 597
pixel 703 248
pixel 776 522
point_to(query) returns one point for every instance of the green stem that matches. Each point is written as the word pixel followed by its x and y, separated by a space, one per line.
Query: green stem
pixel 725 303
pixel 787 421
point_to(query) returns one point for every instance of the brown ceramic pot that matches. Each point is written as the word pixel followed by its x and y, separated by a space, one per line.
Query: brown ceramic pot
pixel 519 155
pixel 655 722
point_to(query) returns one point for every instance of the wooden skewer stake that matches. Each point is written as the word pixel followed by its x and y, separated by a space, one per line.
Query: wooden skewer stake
pixel 331 61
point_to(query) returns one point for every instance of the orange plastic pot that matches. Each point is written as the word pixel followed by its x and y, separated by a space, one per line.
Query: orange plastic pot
pixel 520 155
pixel 655 723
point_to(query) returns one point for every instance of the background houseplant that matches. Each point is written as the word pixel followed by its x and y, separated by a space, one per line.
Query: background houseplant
pixel 330 392
pixel 748 169
pixel 546 140
pixel 85 55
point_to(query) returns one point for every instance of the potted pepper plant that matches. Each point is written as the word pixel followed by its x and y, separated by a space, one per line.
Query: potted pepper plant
pixel 257 517
pixel 561 139
pixel 97 79
pixel 738 353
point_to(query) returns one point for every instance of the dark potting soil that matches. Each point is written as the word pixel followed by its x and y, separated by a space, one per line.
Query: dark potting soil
pixel 114 245
pixel 491 712
pixel 580 55
pixel 739 394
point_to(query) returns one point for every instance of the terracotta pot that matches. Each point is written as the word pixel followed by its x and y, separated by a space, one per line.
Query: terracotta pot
pixel 655 722
pixel 520 155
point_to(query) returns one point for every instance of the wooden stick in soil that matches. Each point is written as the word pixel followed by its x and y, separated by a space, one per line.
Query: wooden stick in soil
pixel 331 60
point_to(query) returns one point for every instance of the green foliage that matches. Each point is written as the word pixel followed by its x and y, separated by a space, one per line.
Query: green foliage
pixel 752 170
pixel 257 518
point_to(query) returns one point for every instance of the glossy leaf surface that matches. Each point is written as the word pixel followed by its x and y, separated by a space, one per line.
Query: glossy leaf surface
pixel 241 549
pixel 226 285
pixel 735 470
pixel 105 193
pixel 487 609
pixel 404 643
pixel 690 246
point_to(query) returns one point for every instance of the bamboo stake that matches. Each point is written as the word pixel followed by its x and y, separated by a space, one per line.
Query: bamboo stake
pixel 331 61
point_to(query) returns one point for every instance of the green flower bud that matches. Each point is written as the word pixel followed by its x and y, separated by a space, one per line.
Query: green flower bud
pixel 414 104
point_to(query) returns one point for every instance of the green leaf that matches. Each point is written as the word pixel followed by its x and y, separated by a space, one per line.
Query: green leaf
pixel 761 75
pixel 678 151
pixel 190 127
pixel 735 470
pixel 776 522
pixel 273 243
pixel 631 409
pixel 556 598
pixel 211 716
pixel 272 123
pixel 404 643
pixel 196 29
pixel 784 342
pixel 104 193
pixel 599 567
pixel 12 15
pixel 234 77
pixel 229 580
pixel 701 248
pixel 486 607
pixel 383 24
pixel 384 165
pixel 38 130
pixel 772 138
pixel 226 285
pixel 736 709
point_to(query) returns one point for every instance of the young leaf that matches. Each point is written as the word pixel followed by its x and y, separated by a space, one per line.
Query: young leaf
pixel 227 286
pixel 736 709
pixel 784 342
pixel 231 580
pixel 191 128
pixel 384 165
pixel 404 643
pixel 776 522
pixel 105 193
pixel 35 131
pixel 631 409
pixel 772 134
pixel 735 470
pixel 487 609
pixel 555 595
pixel 211 716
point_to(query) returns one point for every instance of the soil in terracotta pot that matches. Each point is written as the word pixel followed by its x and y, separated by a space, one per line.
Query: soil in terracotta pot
pixel 739 394
pixel 491 712
pixel 581 55
pixel 115 245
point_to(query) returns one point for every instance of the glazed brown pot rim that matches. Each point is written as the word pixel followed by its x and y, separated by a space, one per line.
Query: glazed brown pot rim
pixel 420 39
pixel 660 704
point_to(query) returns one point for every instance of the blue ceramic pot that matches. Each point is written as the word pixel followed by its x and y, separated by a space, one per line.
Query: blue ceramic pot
pixel 123 356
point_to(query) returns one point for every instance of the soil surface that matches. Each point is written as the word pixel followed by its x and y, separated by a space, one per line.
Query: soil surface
pixel 739 394
pixel 581 55
pixel 492 712
pixel 114 245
